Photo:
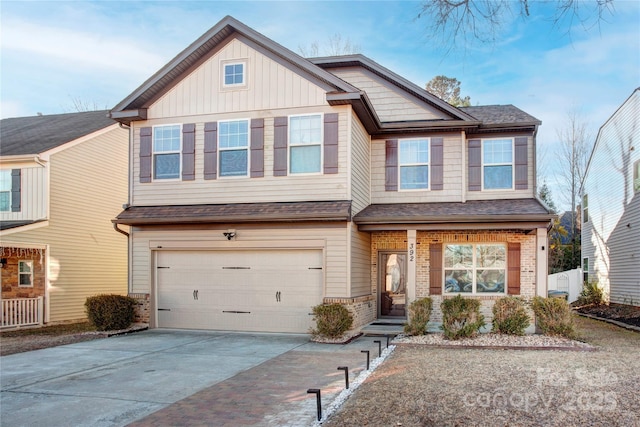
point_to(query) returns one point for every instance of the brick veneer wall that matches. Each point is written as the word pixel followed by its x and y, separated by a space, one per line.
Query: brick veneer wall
pixel 143 308
pixel 397 240
pixel 9 273
pixel 363 309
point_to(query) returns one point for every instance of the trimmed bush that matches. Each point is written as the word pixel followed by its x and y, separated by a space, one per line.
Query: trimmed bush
pixel 110 312
pixel 419 314
pixel 554 317
pixel 332 320
pixel 591 294
pixel 461 317
pixel 510 316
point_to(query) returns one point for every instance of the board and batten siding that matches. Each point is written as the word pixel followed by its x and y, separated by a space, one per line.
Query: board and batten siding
pixel 390 102
pixel 360 166
pixel 333 238
pixel 33 194
pixel 611 236
pixel 88 185
pixel 452 174
pixel 270 86
pixel 268 188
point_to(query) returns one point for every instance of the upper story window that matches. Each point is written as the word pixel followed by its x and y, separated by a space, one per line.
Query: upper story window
pixel 636 176
pixel 479 268
pixel 585 208
pixel 233 145
pixel 414 164
pixel 166 152
pixel 5 190
pixel 234 74
pixel 25 273
pixel 305 144
pixel 497 163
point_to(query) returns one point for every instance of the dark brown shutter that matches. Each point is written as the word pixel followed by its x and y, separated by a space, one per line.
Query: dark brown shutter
pixel 331 143
pixel 435 269
pixel 513 262
pixel 257 148
pixel 16 184
pixel 475 165
pixel 280 126
pixel 391 165
pixel 521 155
pixel 210 150
pixel 437 163
pixel 188 152
pixel 145 154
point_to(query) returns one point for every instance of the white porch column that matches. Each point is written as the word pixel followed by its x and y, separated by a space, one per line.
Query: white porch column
pixel 411 267
pixel 542 248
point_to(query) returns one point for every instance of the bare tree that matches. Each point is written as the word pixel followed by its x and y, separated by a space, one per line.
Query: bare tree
pixel 334 46
pixel 575 149
pixel 447 89
pixel 465 21
pixel 79 105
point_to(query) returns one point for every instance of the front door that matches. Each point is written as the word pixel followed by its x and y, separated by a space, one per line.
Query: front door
pixel 392 282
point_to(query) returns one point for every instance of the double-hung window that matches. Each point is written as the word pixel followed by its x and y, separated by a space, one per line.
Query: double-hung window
pixel 233 145
pixel 497 163
pixel 305 144
pixel 5 190
pixel 585 208
pixel 25 273
pixel 636 176
pixel 234 74
pixel 476 268
pixel 166 152
pixel 414 164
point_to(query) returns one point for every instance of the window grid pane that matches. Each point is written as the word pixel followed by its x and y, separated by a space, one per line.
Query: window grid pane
pixel 475 268
pixel 5 180
pixel 234 74
pixel 233 143
pixel 305 140
pixel 497 177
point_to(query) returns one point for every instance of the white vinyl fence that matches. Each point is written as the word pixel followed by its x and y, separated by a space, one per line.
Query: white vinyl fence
pixel 22 312
pixel 568 281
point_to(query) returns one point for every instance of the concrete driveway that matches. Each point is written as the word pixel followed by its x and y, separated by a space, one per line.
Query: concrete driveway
pixel 119 380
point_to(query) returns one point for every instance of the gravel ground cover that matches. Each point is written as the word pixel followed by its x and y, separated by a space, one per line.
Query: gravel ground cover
pixel 431 386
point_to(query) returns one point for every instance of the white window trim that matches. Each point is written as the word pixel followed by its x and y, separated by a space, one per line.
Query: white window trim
pixel 289 145
pixel 248 148
pixel 428 164
pixel 20 274
pixel 512 164
pixel 474 291
pixel 224 64
pixel 8 172
pixel 153 154
pixel 584 208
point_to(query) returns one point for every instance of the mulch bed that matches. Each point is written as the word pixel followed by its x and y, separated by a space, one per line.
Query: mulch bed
pixel 619 312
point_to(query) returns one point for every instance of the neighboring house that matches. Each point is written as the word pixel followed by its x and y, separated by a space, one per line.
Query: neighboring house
pixel 263 183
pixel 62 179
pixel 611 206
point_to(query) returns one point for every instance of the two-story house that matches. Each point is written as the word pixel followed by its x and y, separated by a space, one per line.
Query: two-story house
pixel 611 206
pixel 63 178
pixel 263 183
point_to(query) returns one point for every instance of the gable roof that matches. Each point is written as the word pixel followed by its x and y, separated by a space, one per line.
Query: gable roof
pixel 338 92
pixel 37 134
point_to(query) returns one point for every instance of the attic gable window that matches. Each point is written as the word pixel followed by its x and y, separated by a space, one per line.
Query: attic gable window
pixel 497 164
pixel 305 144
pixel 233 147
pixel 233 74
pixel 166 152
pixel 5 190
pixel 414 164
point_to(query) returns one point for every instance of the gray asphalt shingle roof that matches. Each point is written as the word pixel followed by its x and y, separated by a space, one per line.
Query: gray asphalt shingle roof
pixel 499 114
pixel 37 134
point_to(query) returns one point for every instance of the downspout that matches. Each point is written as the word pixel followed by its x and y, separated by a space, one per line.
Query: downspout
pixel 115 227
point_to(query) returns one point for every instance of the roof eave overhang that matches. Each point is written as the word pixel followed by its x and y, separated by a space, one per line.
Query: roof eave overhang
pixel 419 219
pixel 236 219
pixel 128 116
pixel 452 225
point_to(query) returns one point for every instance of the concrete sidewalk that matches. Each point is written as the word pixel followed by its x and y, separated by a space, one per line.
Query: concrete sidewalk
pixel 161 377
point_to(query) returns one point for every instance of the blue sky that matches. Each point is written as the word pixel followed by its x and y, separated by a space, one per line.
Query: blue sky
pixel 100 51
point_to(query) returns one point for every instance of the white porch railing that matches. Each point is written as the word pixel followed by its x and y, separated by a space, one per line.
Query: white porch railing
pixel 22 312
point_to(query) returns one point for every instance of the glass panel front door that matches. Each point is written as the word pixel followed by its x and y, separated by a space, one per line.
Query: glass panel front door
pixel 392 284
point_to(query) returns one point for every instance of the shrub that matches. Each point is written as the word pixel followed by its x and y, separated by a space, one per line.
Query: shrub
pixel 332 320
pixel 591 294
pixel 554 317
pixel 110 312
pixel 419 314
pixel 510 316
pixel 461 317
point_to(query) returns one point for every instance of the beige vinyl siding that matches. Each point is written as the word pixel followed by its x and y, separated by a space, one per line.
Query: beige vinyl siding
pixel 244 189
pixel 333 239
pixel 505 194
pixel 270 86
pixel 33 192
pixel 452 175
pixel 86 255
pixel 611 237
pixel 360 166
pixel 390 102
pixel 360 262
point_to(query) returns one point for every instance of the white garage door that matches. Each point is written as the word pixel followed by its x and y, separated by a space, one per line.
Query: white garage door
pixel 244 290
